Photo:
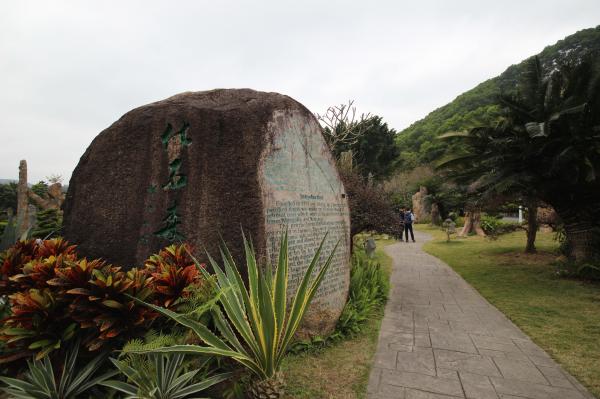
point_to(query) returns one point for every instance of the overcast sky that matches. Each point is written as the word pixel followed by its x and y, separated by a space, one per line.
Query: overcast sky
pixel 68 69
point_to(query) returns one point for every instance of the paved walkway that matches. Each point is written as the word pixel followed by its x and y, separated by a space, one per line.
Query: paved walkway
pixel 441 339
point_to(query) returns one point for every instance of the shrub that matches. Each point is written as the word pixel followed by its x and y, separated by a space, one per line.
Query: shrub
pixel 370 208
pixel 174 271
pixel 53 296
pixel 48 224
pixel 42 381
pixel 456 218
pixel 102 305
pixel 494 227
pixel 368 292
pixel 582 271
pixel 560 236
pixel 161 376
pixel 424 220
pixel 367 295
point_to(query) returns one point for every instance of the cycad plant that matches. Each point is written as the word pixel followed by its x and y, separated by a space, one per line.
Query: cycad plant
pixel 162 377
pixel 546 147
pixel 254 325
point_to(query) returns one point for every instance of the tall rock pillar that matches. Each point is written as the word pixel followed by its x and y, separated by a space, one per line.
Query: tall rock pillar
pixel 22 200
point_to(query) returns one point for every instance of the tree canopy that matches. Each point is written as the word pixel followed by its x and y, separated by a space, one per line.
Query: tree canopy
pixel 374 151
pixel 546 146
pixel 479 106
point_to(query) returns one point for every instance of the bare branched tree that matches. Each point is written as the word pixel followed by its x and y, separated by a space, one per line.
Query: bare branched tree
pixel 54 178
pixel 342 125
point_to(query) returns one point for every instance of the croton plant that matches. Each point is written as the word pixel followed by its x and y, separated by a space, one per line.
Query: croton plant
pixel 53 295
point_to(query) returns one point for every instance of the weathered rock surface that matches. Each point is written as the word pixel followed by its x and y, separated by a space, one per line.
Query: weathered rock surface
pixel 419 207
pixel 22 202
pixel 203 164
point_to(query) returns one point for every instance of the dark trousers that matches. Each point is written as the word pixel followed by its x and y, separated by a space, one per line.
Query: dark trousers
pixel 407 228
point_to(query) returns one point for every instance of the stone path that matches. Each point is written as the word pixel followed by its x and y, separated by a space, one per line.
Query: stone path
pixel 441 339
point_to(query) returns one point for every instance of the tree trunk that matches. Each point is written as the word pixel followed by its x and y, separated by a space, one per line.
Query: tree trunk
pixel 582 228
pixel 468 225
pixel 582 237
pixel 435 215
pixel 477 224
pixel 532 227
pixel 472 224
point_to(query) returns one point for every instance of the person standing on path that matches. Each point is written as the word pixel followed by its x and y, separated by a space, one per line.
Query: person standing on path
pixel 408 222
pixel 402 210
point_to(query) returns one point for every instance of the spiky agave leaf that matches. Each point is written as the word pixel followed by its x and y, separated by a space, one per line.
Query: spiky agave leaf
pixel 255 327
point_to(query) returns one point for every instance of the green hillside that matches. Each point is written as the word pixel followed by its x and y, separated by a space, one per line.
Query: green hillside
pixel 477 106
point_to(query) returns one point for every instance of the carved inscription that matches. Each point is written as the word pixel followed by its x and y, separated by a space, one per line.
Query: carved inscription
pixel 308 220
pixel 173 143
pixel 303 193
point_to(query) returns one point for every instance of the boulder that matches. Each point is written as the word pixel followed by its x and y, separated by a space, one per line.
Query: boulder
pixel 419 207
pixel 203 165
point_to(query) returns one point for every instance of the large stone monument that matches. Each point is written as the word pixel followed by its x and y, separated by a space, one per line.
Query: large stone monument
pixel 202 165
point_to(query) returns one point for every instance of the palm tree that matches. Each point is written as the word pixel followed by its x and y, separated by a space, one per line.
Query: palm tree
pixel 546 147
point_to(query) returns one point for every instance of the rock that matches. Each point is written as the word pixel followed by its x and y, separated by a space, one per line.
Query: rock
pixel 22 200
pixel 435 215
pixel 52 199
pixel 419 208
pixel 547 215
pixel 203 164
pixel 31 216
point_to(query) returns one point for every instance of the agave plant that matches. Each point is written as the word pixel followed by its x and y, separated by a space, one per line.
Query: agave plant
pixel 255 329
pixel 163 377
pixel 41 381
pixel 9 235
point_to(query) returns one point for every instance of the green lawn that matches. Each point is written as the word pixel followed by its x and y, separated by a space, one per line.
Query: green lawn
pixel 342 370
pixel 562 316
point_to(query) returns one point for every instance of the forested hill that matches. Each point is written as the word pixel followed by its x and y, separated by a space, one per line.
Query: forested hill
pixel 477 107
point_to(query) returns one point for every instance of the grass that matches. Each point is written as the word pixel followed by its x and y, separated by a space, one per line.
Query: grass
pixel 341 370
pixel 562 316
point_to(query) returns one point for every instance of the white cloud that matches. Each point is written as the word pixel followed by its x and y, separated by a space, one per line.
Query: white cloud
pixel 68 69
